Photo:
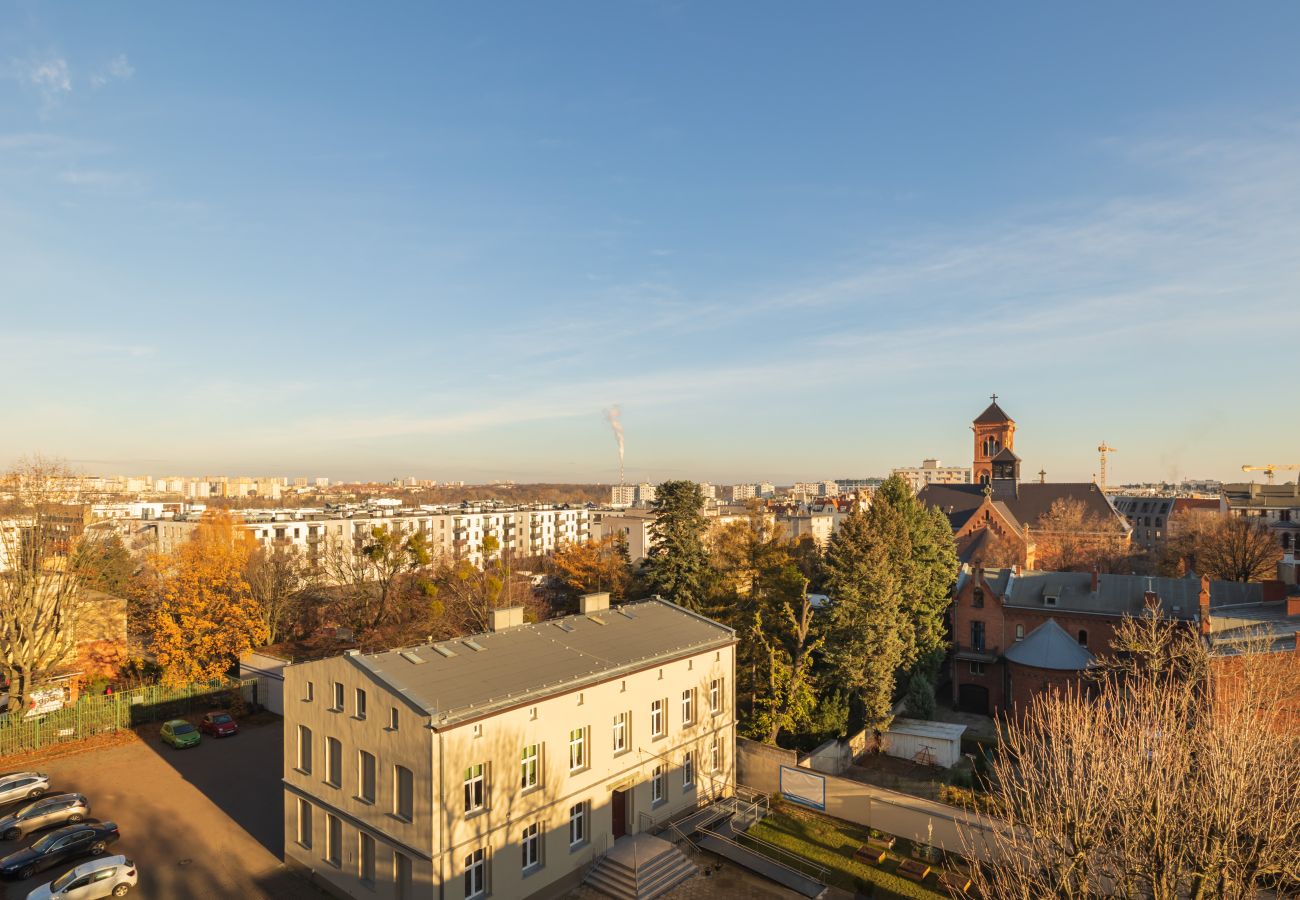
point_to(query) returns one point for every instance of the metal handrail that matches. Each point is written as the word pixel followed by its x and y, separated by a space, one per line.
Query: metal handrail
pixel 821 870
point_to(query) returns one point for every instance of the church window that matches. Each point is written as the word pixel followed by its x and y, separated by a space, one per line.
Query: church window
pixel 977 598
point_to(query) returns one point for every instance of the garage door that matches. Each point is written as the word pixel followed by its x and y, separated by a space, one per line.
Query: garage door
pixel 973 698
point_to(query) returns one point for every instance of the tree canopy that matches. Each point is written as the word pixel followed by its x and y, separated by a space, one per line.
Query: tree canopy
pixel 677 566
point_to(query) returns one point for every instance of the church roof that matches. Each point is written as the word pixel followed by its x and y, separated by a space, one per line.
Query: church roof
pixel 1005 455
pixel 1030 501
pixel 993 415
pixel 1049 647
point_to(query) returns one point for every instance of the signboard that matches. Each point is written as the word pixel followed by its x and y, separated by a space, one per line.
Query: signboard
pixel 804 787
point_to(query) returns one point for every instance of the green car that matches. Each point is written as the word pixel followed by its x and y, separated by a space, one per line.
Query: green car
pixel 180 734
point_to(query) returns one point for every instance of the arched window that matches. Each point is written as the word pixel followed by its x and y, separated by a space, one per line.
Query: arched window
pixel 977 598
pixel 1083 638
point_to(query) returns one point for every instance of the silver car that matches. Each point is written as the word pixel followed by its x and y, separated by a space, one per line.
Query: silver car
pixel 23 786
pixel 56 809
pixel 112 876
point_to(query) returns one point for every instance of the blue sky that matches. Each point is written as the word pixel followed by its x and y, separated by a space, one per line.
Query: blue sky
pixel 791 241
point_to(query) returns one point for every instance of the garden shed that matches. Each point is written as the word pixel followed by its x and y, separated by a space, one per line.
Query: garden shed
pixel 929 743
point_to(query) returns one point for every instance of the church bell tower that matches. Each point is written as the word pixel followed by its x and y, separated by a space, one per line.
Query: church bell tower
pixel 995 431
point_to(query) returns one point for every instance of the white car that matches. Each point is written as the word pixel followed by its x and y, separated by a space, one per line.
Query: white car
pixel 112 876
pixel 22 786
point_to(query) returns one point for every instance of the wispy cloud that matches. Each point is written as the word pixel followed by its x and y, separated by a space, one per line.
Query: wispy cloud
pixel 119 68
pixel 99 178
pixel 49 77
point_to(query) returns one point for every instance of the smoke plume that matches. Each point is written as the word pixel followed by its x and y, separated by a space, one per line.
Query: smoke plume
pixel 612 414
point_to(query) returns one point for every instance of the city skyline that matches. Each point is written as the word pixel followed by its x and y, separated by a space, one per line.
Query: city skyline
pixel 789 247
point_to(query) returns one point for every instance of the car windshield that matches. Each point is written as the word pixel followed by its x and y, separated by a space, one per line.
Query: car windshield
pixel 63 881
pixel 183 729
pixel 220 719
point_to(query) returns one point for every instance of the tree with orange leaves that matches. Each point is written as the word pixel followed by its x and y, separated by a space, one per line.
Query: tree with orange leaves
pixel 206 614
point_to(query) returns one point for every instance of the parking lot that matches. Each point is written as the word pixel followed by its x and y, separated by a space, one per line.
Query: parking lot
pixel 201 822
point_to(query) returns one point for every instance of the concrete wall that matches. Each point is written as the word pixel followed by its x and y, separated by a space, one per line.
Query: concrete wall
pixel 758 766
pixel 832 757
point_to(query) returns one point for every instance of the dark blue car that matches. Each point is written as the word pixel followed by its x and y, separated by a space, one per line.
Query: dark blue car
pixel 59 846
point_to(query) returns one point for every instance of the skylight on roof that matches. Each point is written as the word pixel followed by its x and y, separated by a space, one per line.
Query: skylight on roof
pixel 443 650
pixel 411 657
pixel 597 620
pixel 564 625
pixel 473 645
pixel 624 613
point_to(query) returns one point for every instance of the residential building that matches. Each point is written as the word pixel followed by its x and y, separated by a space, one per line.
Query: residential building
pixel 645 494
pixel 1018 633
pixel 1277 506
pixel 709 490
pixel 742 492
pixel 854 486
pixel 765 489
pixel 931 471
pixel 634 524
pixel 622 495
pixel 818 527
pixel 1147 516
pixel 502 765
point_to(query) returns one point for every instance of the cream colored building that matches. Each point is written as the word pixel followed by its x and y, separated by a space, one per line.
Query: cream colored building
pixel 634 524
pixel 503 764
pixel 932 471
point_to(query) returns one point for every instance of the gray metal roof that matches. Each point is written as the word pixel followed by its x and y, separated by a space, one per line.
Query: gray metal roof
pixel 529 662
pixel 1117 594
pixel 1049 647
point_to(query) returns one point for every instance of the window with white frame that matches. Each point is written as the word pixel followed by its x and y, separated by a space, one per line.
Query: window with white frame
pixel 310 694
pixel 715 696
pixel 403 793
pixel 333 840
pixel 476 874
pixel 657 785
pixel 304 749
pixel 338 697
pixel 657 718
pixel 304 823
pixel 475 789
pixel 334 762
pixel 392 718
pixel 688 770
pixel 528 766
pixel 359 704
pixel 577 749
pixel 620 732
pixel 577 823
pixel 366 776
pixel 688 706
pixel 531 842
pixel 366 858
pixel 715 756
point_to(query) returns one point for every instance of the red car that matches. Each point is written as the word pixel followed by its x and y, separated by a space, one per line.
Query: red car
pixel 219 724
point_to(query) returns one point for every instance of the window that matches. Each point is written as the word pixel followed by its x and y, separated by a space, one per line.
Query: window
pixel 977 668
pixel 333 762
pixel 688 706
pixel 657 719
pixel 528 767
pixel 366 858
pixel 688 770
pixel 715 696
pixel 310 693
pixel 657 785
pixel 402 875
pixel 304 749
pixel 577 749
pixel 1083 638
pixel 532 844
pixel 333 840
pixel 474 789
pixel 392 718
pixel 476 874
pixel 403 793
pixel 977 635
pixel 304 823
pixel 715 756
pixel 338 697
pixel 577 824
pixel 620 732
pixel 977 598
pixel 366 776
pixel 1020 632
pixel 359 709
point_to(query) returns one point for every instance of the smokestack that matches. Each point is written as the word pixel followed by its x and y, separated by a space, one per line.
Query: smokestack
pixel 612 415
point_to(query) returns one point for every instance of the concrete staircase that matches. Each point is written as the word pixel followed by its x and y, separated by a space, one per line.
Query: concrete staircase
pixel 640 867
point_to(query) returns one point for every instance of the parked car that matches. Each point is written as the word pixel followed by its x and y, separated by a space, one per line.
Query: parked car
pixel 61 845
pixel 23 786
pixel 180 734
pixel 53 809
pixel 219 724
pixel 112 876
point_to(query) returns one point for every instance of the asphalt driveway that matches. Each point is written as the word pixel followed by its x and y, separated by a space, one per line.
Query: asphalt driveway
pixel 202 822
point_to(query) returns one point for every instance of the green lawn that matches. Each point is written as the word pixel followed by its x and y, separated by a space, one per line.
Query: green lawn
pixel 831 842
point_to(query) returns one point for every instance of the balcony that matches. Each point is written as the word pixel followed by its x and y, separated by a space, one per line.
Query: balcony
pixel 985 654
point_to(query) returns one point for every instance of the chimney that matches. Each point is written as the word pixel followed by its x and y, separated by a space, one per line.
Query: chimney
pixel 1203 606
pixel 590 603
pixel 1096 579
pixel 1293 605
pixel 507 617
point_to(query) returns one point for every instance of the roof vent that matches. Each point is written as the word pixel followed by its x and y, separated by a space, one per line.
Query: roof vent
pixel 473 645
pixel 444 650
pixel 411 657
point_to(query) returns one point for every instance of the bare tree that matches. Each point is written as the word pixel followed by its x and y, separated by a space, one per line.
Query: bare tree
pixel 41 590
pixel 469 593
pixel 277 577
pixel 1179 776
pixel 1228 548
pixel 1070 538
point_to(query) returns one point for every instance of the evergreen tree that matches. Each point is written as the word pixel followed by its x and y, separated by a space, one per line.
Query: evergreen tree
pixel 865 644
pixel 677 566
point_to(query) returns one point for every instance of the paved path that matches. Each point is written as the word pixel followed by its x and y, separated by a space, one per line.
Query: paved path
pixel 203 822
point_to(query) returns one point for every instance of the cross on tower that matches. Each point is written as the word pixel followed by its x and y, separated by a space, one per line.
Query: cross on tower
pixel 993 397
pixel 1042 476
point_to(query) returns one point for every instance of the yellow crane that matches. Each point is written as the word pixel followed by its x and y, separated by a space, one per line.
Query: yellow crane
pixel 1269 469
pixel 1103 450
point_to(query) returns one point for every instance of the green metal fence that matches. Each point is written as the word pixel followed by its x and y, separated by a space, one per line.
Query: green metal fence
pixel 96 714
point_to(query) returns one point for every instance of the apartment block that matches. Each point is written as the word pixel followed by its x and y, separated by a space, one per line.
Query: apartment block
pixel 622 495
pixel 932 471
pixel 504 764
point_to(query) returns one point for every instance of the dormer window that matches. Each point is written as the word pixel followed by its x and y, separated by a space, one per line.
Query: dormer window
pixel 977 598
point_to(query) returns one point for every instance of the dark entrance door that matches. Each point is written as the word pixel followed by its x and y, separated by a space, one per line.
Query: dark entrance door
pixel 618 804
pixel 973 698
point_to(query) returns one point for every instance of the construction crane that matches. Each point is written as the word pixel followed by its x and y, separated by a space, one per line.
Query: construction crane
pixel 1269 469
pixel 1103 450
